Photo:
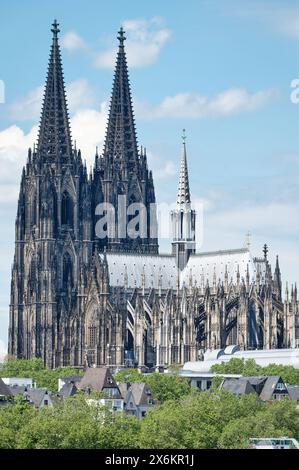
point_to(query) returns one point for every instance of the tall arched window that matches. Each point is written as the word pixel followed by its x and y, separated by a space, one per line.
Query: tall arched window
pixel 67 210
pixel 67 274
pixel 92 336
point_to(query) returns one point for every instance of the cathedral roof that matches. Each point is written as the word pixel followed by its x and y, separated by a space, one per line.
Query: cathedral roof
pixel 154 271
pixel 224 265
pixel 130 270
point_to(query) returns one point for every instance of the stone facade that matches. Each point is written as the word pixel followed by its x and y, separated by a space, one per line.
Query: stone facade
pixel 77 298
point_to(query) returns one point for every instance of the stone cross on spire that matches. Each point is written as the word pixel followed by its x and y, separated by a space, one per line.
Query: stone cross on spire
pixel 55 30
pixel 121 36
pixel 184 191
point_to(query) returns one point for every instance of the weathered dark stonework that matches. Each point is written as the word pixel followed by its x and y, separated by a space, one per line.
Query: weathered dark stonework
pixel 116 301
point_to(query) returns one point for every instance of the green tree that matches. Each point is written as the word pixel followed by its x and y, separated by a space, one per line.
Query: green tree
pixel 19 367
pixel 164 427
pixel 233 366
pixel 167 386
pixel 119 431
pixel 76 424
pixel 251 426
pixel 277 419
pixel 72 423
pixel 194 421
pixel 163 386
pixel 35 369
pixel 289 374
pixel 13 417
pixel 129 375
pixel 252 368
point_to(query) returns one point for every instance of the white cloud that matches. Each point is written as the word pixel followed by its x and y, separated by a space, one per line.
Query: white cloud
pixel 88 127
pixel 282 19
pixel 145 40
pixel 195 105
pixel 3 350
pixel 276 224
pixel 167 170
pixel 288 24
pixel 279 218
pixel 28 107
pixel 161 169
pixel 72 41
pixel 14 144
pixel 79 94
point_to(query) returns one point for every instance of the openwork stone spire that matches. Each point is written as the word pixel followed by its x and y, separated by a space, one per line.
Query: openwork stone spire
pixel 184 191
pixel 54 141
pixel 121 140
pixel 183 217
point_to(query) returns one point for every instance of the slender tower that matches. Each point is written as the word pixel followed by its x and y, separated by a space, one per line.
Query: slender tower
pixel 53 232
pixel 121 175
pixel 183 217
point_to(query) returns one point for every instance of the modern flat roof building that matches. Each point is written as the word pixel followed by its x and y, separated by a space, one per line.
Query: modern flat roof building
pixel 285 357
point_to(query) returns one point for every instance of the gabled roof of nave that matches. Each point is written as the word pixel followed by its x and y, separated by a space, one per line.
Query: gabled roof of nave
pixel 161 270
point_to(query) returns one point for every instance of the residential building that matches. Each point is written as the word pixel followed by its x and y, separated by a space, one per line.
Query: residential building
pixel 137 398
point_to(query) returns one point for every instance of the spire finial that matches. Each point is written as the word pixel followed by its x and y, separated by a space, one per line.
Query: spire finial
pixel 248 240
pixel 55 30
pixel 121 36
pixel 184 137
pixel 265 251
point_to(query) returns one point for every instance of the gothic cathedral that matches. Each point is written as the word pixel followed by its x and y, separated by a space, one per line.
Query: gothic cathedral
pixel 114 300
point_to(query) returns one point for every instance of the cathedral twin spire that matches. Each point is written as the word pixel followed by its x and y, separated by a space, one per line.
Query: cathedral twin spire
pixel 121 140
pixel 120 147
pixel 54 140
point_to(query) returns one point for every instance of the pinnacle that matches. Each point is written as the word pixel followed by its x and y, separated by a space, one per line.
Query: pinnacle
pixel 183 191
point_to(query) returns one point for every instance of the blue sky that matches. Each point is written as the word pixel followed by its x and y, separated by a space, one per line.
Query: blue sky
pixel 221 69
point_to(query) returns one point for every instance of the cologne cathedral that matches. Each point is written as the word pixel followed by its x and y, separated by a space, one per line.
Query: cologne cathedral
pixel 77 298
